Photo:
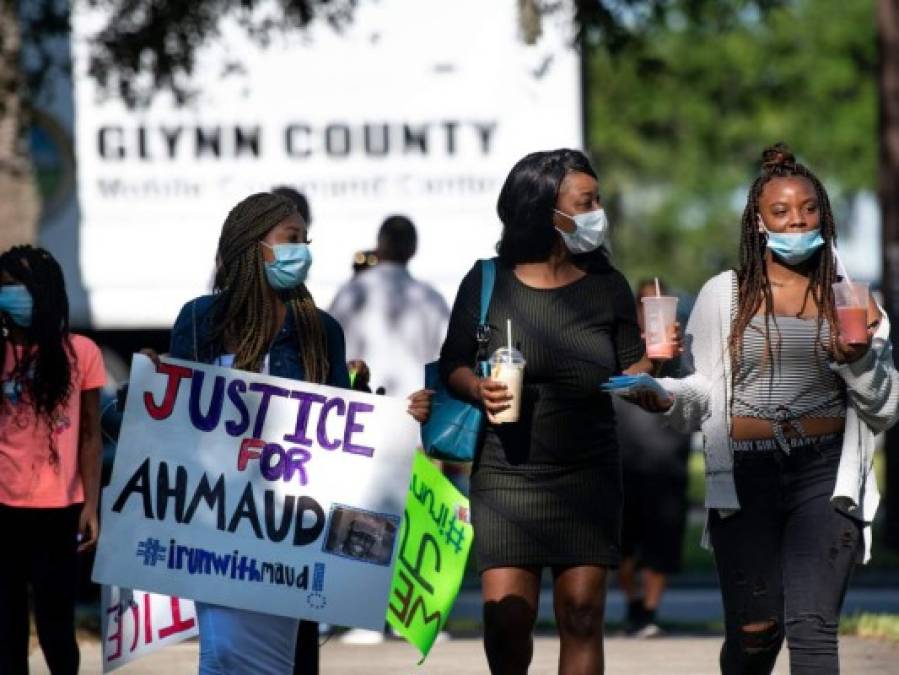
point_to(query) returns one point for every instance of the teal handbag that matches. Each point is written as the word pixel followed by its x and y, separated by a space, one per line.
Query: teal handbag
pixel 454 427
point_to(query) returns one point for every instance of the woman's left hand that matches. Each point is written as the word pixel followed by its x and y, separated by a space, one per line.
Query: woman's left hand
pixel 675 337
pixel 420 405
pixel 849 353
pixel 842 352
pixel 88 528
pixel 360 375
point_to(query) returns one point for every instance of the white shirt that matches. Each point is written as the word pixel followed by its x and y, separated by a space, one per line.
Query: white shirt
pixel 393 322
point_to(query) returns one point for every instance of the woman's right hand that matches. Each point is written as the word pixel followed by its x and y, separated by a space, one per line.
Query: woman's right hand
pixel 494 395
pixel 650 401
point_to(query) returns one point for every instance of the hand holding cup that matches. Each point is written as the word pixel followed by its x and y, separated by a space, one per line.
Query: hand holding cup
pixel 855 333
pixel 507 367
pixel 661 329
pixel 495 396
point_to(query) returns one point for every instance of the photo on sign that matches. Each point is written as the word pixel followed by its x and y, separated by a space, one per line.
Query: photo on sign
pixel 361 535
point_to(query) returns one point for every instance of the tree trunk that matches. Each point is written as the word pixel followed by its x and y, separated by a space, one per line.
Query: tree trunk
pixel 19 200
pixel 888 189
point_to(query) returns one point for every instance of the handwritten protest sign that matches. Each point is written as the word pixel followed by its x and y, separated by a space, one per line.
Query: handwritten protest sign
pixel 257 492
pixel 434 544
pixel 135 623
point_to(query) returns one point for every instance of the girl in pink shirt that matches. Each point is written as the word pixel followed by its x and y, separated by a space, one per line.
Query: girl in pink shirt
pixel 50 450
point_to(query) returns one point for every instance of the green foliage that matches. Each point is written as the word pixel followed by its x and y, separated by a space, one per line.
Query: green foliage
pixel 679 117
pixel 166 34
pixel 879 626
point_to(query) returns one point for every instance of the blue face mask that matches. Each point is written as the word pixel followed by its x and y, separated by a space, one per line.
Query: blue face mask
pixel 793 248
pixel 589 231
pixel 290 266
pixel 16 301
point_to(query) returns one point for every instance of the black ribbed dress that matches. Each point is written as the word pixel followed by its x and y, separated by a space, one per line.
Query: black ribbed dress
pixel 546 491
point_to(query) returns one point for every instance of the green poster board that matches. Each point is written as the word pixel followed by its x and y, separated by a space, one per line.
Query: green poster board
pixel 435 540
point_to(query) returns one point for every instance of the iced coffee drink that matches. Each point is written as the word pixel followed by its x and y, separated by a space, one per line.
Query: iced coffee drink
pixel 508 367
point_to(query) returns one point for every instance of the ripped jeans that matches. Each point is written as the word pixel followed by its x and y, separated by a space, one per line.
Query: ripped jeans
pixel 784 560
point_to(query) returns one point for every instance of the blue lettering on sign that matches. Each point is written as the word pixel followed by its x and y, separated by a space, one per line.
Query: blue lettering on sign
pixel 318 577
pixel 151 551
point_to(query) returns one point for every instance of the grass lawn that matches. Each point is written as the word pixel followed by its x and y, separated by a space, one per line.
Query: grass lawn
pixel 880 626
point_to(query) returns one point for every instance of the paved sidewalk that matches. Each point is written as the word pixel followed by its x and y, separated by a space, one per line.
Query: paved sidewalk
pixel 670 655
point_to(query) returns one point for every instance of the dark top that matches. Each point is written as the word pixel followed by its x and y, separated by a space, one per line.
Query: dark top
pixel 648 444
pixel 572 338
pixel 284 355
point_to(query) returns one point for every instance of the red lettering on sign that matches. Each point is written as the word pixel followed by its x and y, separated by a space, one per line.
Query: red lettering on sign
pixel 175 374
pixel 179 625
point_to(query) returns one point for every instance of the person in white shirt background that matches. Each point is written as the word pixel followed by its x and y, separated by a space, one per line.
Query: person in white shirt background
pixel 393 322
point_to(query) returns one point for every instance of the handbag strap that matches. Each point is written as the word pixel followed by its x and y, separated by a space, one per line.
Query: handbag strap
pixel 488 279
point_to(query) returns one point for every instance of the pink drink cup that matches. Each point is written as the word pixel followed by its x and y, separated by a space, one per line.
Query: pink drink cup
pixel 659 316
pixel 853 324
pixel 851 301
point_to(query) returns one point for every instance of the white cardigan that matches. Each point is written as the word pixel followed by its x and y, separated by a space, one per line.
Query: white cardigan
pixel 702 401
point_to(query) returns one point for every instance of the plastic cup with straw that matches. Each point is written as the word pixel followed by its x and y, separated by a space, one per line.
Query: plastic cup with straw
pixel 507 366
pixel 851 300
pixel 659 317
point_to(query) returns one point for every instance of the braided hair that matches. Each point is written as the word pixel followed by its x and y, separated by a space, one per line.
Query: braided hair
pixel 43 372
pixel 754 286
pixel 245 311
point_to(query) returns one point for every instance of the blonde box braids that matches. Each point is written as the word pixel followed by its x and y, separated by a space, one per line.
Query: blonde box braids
pixel 244 311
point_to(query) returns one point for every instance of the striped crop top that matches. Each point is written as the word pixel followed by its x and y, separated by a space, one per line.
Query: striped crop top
pixel 792 380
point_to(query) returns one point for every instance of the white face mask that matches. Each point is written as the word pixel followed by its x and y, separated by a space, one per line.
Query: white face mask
pixel 589 231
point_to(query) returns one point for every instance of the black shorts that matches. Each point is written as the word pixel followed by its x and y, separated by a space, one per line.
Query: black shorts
pixel 655 516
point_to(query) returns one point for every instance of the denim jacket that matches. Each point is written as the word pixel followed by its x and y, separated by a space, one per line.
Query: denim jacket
pixel 191 341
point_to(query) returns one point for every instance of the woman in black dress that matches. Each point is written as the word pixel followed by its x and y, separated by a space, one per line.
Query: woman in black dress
pixel 546 490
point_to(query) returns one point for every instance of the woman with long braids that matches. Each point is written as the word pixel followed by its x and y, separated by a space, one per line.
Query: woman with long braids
pixel 789 410
pixel 262 318
pixel 50 450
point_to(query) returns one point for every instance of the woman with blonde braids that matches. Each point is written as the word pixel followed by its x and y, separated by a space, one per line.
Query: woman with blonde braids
pixel 262 318
pixel 789 409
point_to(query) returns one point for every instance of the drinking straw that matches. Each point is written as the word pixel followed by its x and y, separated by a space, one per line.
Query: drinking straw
pixel 509 335
pixel 841 268
pixel 658 289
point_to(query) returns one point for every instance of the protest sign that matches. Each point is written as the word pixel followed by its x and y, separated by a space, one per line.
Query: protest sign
pixel 434 544
pixel 257 492
pixel 135 623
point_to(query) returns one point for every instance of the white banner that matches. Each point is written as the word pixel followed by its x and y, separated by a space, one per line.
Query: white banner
pixel 257 492
pixel 134 624
pixel 419 107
